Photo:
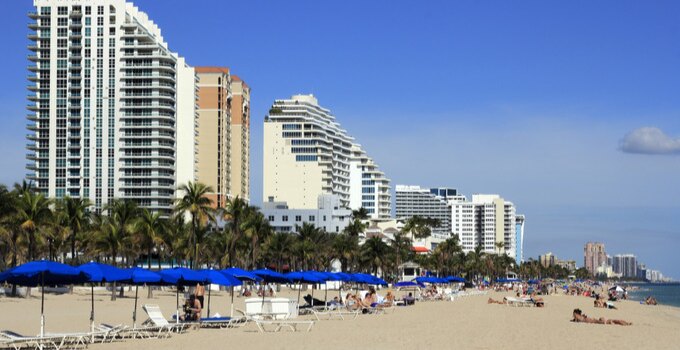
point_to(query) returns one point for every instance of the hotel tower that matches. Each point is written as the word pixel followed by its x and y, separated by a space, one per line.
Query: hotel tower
pixel 307 154
pixel 112 109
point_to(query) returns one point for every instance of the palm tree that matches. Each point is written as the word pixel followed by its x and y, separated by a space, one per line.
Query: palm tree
pixel 357 226
pixel 258 229
pixel 149 231
pixel 308 243
pixel 33 213
pixel 420 227
pixel 279 247
pixel 375 254
pixel 236 212
pixel 119 226
pixel 345 249
pixel 76 216
pixel 401 246
pixel 8 225
pixel 198 206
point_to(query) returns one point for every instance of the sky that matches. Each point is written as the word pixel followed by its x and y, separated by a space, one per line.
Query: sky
pixel 568 109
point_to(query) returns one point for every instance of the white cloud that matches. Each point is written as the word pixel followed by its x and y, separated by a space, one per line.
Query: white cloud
pixel 649 140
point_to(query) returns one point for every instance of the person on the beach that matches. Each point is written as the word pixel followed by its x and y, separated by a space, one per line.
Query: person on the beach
pixel 352 302
pixel 650 300
pixel 271 292
pixel 579 316
pixel 409 299
pixel 192 310
pixel 199 292
pixel 388 301
pixel 502 302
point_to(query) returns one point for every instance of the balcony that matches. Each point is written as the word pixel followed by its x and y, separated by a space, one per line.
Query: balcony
pixel 75 14
pixel 33 36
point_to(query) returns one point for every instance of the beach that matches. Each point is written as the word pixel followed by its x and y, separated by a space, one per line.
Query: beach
pixel 468 323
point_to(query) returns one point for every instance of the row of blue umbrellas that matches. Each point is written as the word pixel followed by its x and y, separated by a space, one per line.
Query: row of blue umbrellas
pixel 43 272
pixel 440 280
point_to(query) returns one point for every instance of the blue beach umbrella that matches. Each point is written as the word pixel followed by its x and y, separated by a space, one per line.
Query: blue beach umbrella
pixel 408 284
pixel 269 276
pixel 455 279
pixel 99 273
pixel 241 275
pixel 181 276
pixel 219 278
pixel 139 276
pixel 44 272
pixel 310 277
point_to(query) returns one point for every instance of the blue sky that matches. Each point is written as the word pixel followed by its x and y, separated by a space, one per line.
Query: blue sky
pixel 568 109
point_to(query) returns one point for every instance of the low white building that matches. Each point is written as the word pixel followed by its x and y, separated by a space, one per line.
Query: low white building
pixel 328 215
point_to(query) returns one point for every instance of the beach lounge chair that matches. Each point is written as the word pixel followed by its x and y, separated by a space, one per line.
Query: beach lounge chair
pixel 17 341
pixel 512 301
pixel 278 325
pixel 156 319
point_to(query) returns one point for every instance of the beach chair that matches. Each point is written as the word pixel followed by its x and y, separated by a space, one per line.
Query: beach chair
pixel 17 341
pixel 512 301
pixel 278 325
pixel 157 320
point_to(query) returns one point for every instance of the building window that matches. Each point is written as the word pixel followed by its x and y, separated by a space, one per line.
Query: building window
pixel 298 218
pixel 284 218
pixel 271 218
pixel 324 218
pixel 312 218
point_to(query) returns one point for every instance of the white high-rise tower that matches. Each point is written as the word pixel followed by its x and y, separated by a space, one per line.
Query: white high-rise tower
pixel 113 111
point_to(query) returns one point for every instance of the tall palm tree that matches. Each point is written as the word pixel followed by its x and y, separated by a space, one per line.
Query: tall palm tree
pixel 345 249
pixel 420 227
pixel 258 229
pixel 118 227
pixel 307 245
pixel 279 247
pixel 357 226
pixel 33 213
pixel 401 246
pixel 8 225
pixel 236 212
pixel 76 216
pixel 375 254
pixel 199 207
pixel 149 229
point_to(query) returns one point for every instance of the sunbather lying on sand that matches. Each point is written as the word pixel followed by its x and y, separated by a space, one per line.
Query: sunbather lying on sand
pixel 502 302
pixel 579 316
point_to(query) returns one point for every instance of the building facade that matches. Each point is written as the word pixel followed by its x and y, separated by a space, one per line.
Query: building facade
pixel 307 154
pixel 625 264
pixel 428 203
pixel 328 215
pixel 214 128
pixel 112 109
pixel 487 220
pixel 240 139
pixel 369 188
pixel 594 256
pixel 519 238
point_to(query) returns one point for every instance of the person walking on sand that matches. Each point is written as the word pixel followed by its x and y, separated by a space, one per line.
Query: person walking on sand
pixel 199 292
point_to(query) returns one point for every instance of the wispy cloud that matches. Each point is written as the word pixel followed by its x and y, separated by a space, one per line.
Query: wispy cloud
pixel 649 140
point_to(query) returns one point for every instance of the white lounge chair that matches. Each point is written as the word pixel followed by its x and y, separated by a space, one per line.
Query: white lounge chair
pixel 157 320
pixel 512 301
pixel 17 341
pixel 278 325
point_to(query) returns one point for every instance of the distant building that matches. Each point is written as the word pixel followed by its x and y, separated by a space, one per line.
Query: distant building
pixel 428 203
pixel 625 264
pixel 486 220
pixel 594 256
pixel 307 154
pixel 547 260
pixel 328 215
pixel 519 238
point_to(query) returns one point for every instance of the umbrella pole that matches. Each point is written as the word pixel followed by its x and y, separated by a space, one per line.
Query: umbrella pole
pixel 208 315
pixel 325 297
pixel 299 290
pixel 134 312
pixel 42 304
pixel 92 312
pixel 231 314
pixel 177 304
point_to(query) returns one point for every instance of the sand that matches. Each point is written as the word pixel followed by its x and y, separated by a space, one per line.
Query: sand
pixel 467 323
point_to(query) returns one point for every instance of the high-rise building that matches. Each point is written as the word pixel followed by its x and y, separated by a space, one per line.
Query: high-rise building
pixel 594 256
pixel 369 188
pixel 214 127
pixel 240 138
pixel 519 238
pixel 548 259
pixel 112 108
pixel 428 203
pixel 328 215
pixel 307 154
pixel 487 220
pixel 625 264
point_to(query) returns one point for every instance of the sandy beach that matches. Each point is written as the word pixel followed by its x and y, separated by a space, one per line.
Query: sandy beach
pixel 468 323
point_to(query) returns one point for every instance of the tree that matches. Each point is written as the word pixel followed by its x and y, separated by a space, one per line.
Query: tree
pixel 375 254
pixel 309 244
pixel 9 229
pixel 420 227
pixel 76 216
pixel 357 226
pixel 257 229
pixel 401 247
pixel 198 206
pixel 33 213
pixel 279 247
pixel 236 213
pixel 149 231
pixel 345 249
